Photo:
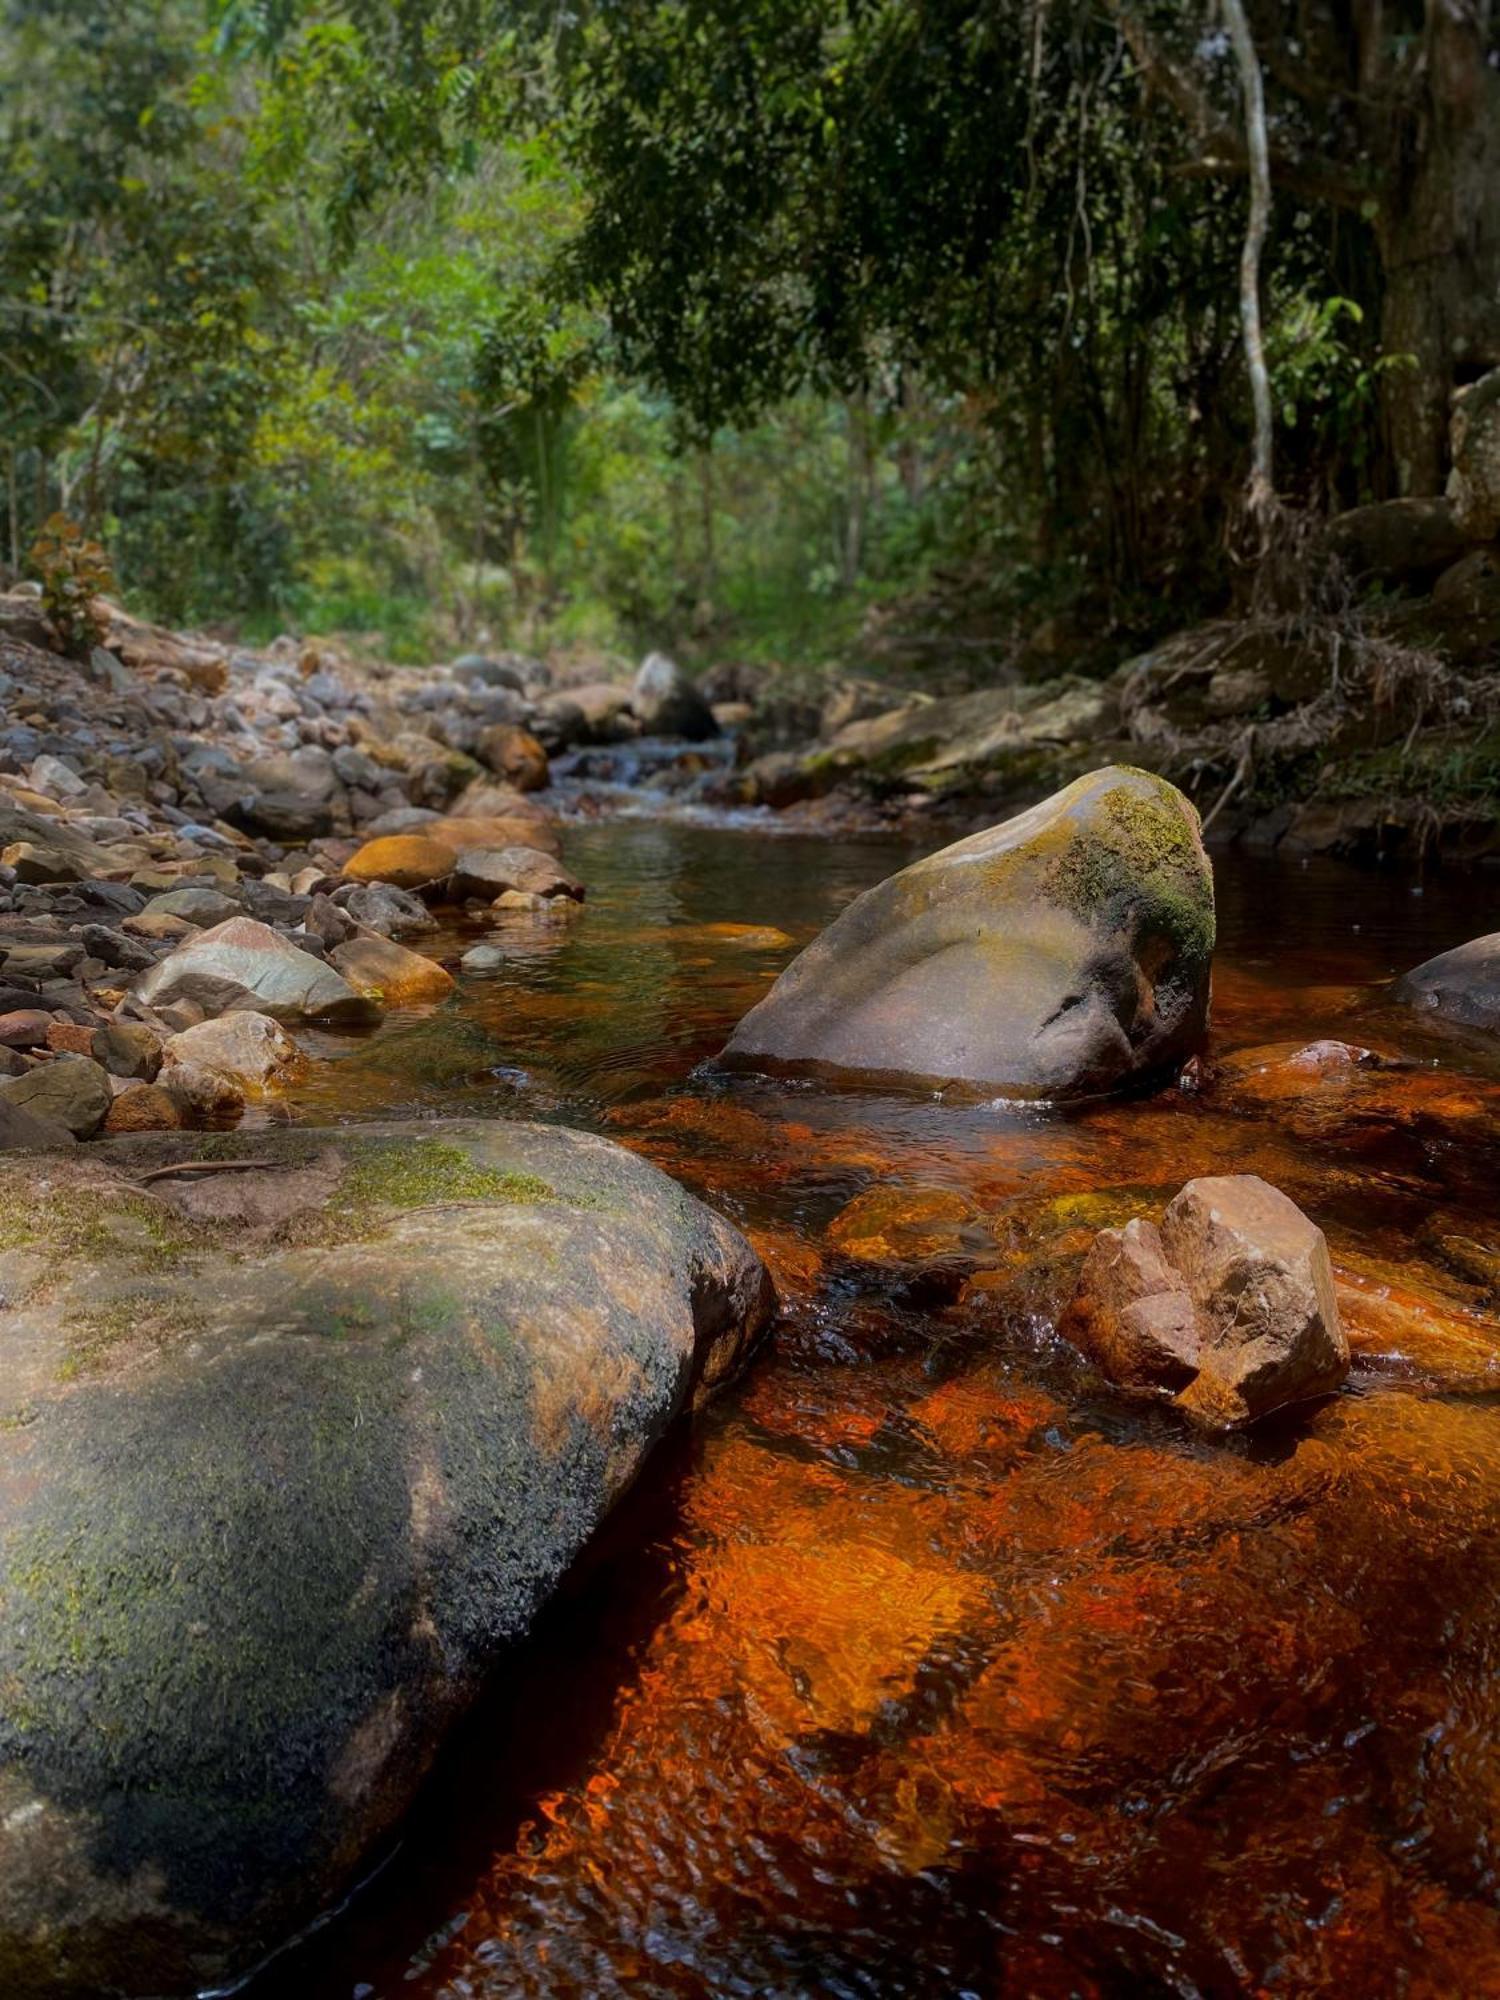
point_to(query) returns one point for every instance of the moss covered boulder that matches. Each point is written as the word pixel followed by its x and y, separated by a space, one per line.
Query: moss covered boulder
pixel 1065 953
pixel 290 1452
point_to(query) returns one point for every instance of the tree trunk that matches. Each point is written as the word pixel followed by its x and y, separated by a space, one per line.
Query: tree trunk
pixel 1439 239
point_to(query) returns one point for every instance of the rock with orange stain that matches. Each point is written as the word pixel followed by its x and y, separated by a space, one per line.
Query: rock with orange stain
pixel 405 860
pixel 383 970
pixel 143 1107
pixel 514 754
pixel 422 1362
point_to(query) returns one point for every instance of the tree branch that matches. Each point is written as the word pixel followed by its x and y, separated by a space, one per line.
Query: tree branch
pixel 1262 493
pixel 1221 150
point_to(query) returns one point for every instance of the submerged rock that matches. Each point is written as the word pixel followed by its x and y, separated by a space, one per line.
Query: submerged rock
pixel 1461 985
pixel 288 1458
pixel 1229 1306
pixel 1062 954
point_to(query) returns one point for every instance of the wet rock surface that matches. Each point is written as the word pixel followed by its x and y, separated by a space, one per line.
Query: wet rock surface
pixel 290 1452
pixel 1061 954
pixel 1461 985
pixel 1229 1305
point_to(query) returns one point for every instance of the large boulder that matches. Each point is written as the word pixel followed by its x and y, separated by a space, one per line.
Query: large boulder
pixel 667 703
pixel 1229 1306
pixel 245 964
pixel 288 1458
pixel 1062 954
pixel 1399 541
pixel 1461 985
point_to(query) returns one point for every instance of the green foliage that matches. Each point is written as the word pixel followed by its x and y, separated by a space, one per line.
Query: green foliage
pixel 73 571
pixel 733 326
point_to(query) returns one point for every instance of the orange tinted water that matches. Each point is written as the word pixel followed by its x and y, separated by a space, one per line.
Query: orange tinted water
pixel 926 1665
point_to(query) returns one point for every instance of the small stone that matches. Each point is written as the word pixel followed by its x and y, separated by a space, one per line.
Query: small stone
pixel 325 920
pixel 1231 1303
pixel 386 971
pixel 482 958
pixel 33 862
pixel 142 1107
pixel 380 906
pixel 25 1029
pixel 201 907
pixel 1124 1268
pixel 250 1049
pixel 159 926
pixel 43 961
pixel 115 951
pixel 127 1049
pixel 514 754
pixel 202 1095
pixel 58 780
pixel 491 871
pixel 70 1038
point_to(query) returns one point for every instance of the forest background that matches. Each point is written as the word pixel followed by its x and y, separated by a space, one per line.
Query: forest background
pixel 807 331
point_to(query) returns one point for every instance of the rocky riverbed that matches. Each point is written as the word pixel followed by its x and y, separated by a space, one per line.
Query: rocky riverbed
pixel 1063 1403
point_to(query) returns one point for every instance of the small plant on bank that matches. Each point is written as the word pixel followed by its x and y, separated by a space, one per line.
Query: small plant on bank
pixel 74 570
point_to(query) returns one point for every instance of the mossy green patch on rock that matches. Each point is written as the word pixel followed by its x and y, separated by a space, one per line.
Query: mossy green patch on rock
pixel 1063 953
pixel 248 1581
pixel 96 1333
pixel 1143 846
pixel 379 1178
pixel 80 1218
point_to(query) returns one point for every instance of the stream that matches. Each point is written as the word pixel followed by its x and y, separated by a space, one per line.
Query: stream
pixel 925 1665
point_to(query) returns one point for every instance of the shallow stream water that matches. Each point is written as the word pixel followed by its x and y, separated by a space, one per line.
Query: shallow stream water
pixel 925 1665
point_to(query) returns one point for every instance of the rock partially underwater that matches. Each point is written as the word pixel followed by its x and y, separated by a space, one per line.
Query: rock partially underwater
pixel 1064 953
pixel 1229 1306
pixel 1462 985
pixel 288 1456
